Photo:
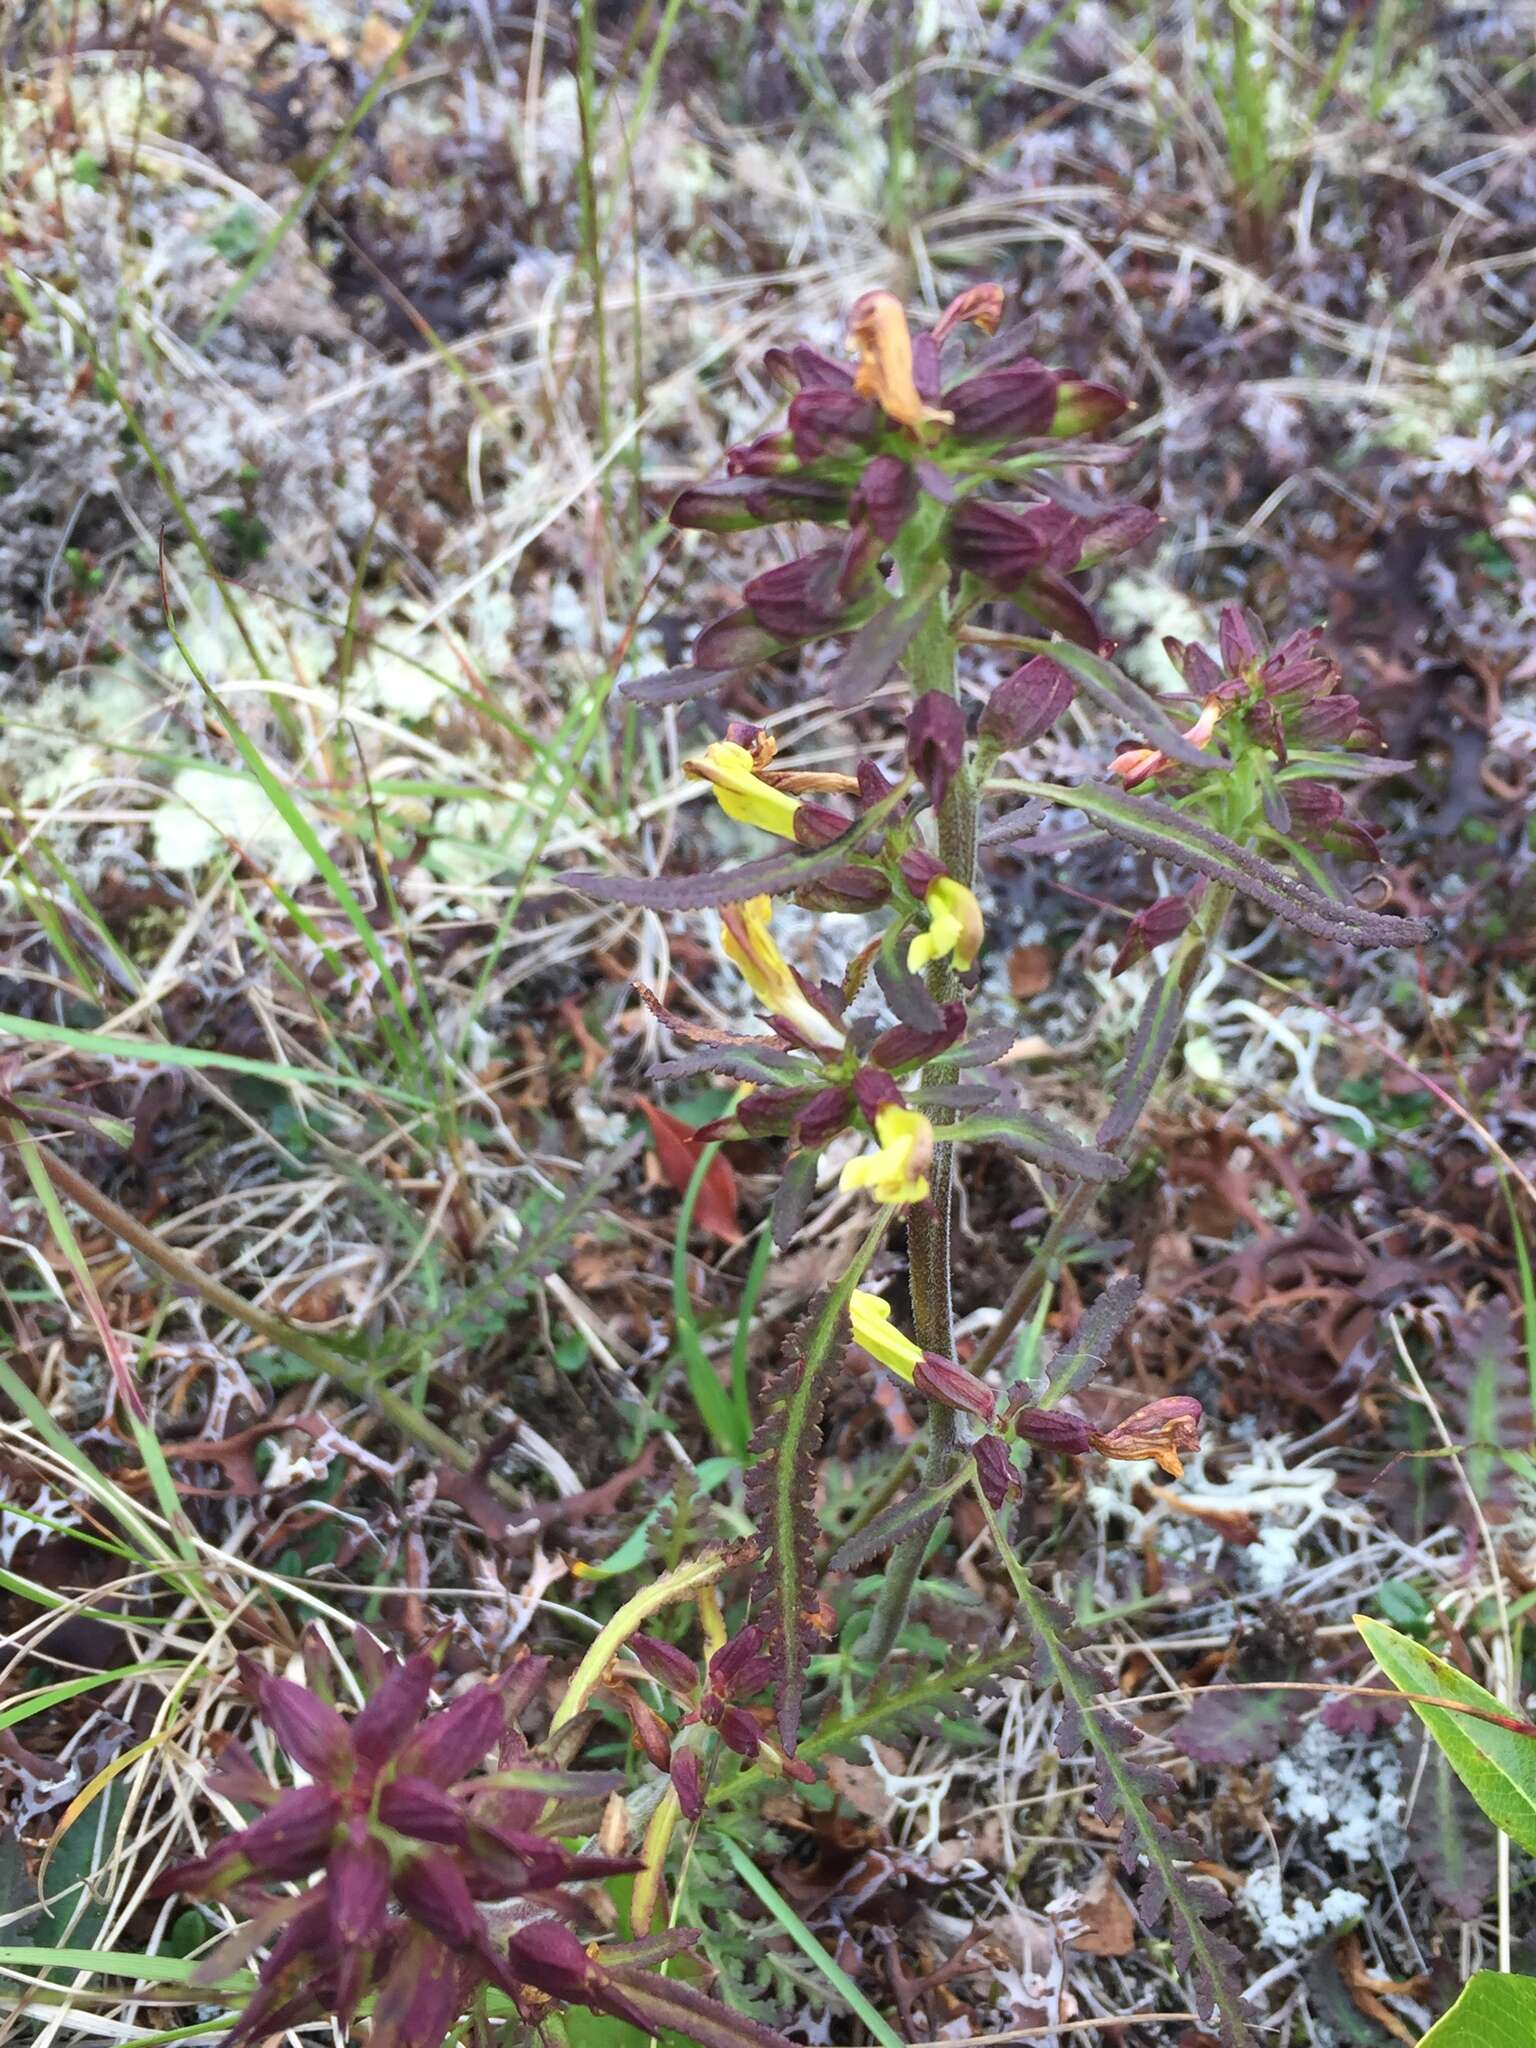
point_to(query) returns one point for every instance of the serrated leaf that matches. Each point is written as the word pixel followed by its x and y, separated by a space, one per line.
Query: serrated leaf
pixel 1156 828
pixel 1156 1029
pixel 1452 1843
pixel 880 643
pixel 1236 1725
pixel 1038 1139
pixel 1093 1338
pixel 1496 1764
pixel 1493 2011
pixel 677 685
pixel 776 874
pixel 781 1488
pixel 916 1514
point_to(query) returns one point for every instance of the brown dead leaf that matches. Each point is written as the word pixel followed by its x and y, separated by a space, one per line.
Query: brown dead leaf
pixel 1232 1525
pixel 1366 1992
pixel 1108 1926
pixel 1031 970
pixel 860 1785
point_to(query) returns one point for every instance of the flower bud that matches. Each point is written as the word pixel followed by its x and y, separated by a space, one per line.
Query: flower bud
pixel 547 1955
pixel 739 1731
pixel 1166 1431
pixel 736 641
pixel 936 743
pixel 417 1807
pixel 450 1745
pixel 940 1379
pixel 432 1890
pixel 920 869
pixel 803 368
pixel 905 1046
pixel 313 1733
pixel 394 1708
pixel 770 455
pixel 1048 1429
pixel 1083 408
pixel 833 422
pixel 1005 548
pixel 1115 532
pixel 817 825
pixel 996 1471
pixel 666 1663
pixel 688 1782
pixel 729 1661
pixel 1027 703
pixel 1152 926
pixel 798 599
pixel 1328 721
pixel 873 1091
pixel 1014 404
pixel 292 1837
pixel 1240 639
pixel 741 502
pixel 358 1878
pixel 1314 805
pixel 650 1729
pixel 829 1111
pixel 874 785
pixel 885 496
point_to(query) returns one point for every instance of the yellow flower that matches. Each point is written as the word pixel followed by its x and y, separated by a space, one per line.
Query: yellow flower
pixel 741 792
pixel 954 926
pixel 898 1171
pixel 749 946
pixel 877 328
pixel 874 1332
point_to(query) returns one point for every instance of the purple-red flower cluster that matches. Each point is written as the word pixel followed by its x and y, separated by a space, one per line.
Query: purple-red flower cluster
pixel 435 1878
pixel 713 1698
pixel 905 440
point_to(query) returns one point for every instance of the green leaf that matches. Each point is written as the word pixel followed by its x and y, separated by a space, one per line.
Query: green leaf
pixel 1497 1765
pixel 1492 2012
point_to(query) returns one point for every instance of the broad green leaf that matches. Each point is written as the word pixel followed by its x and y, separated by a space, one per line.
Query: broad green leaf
pixel 1492 2012
pixel 1497 1765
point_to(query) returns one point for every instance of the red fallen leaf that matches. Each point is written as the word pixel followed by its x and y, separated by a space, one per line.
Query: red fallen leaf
pixel 678 1149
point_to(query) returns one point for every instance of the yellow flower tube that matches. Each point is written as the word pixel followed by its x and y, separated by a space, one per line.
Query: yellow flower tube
pixel 898 1170
pixel 741 792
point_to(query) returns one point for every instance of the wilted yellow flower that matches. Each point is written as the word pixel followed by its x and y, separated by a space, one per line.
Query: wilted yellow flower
pixel 954 926
pixel 898 1170
pixel 749 945
pixel 740 791
pixel 1166 1431
pixel 1138 764
pixel 877 328
pixel 874 1332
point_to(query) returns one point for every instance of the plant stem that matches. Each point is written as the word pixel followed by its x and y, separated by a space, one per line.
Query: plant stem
pixel 1189 965
pixel 929 1225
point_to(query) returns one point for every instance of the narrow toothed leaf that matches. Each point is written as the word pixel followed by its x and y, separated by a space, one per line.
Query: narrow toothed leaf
pixel 917 1514
pixel 1157 828
pixel 667 2006
pixel 777 874
pixel 781 1489
pixel 1157 1027
pixel 1091 1343
pixel 1040 1140
pixel 878 646
pixel 1189 1903
pixel 678 685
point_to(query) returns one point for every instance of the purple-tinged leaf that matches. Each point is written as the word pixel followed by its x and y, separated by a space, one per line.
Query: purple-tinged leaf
pixel 880 643
pixel 1156 828
pixel 1094 1338
pixel 917 1514
pixel 678 685
pixel 1157 1028
pixel 777 874
pixel 665 2005
pixel 1451 1843
pixel 1038 1139
pixel 781 1492
pixel 1237 1725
